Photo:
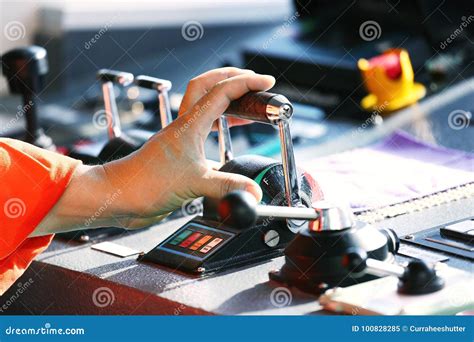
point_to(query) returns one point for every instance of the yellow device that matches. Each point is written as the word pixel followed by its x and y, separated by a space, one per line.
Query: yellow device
pixel 389 78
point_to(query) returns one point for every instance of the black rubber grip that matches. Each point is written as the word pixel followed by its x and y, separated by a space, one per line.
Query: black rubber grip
pixel 251 106
pixel 114 76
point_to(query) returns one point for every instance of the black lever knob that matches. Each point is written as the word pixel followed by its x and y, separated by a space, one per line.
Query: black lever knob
pixel 416 278
pixel 115 76
pixel 25 69
pixel 420 278
pixel 240 208
pixel 261 107
pixel 237 209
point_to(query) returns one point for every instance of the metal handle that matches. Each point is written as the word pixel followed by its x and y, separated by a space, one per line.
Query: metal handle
pixel 225 142
pixel 108 79
pixel 114 129
pixel 162 87
pixel 262 107
pixel 273 109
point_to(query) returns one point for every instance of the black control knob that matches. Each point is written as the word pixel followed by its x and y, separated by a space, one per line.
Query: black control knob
pixel 355 260
pixel 237 209
pixel 416 278
pixel 25 69
pixel 419 278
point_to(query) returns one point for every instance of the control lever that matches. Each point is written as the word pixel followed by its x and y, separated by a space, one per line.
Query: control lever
pixel 25 69
pixel 323 245
pixel 416 278
pixel 119 144
pixel 240 209
pixel 225 143
pixel 108 78
pixel 273 109
pixel 162 87
pixel 229 233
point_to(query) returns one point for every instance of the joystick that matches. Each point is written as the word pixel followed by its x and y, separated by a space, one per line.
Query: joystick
pixel 416 278
pixel 334 249
pixel 25 69
pixel 229 234
pixel 314 258
pixel 162 87
pixel 332 239
pixel 119 144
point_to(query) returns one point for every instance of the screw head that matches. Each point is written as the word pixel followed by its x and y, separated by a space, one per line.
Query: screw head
pixel 271 238
pixel 84 238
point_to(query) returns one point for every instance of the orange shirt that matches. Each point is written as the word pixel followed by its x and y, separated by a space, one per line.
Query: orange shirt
pixel 31 182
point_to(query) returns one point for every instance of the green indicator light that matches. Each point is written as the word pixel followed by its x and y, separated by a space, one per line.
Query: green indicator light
pixel 180 237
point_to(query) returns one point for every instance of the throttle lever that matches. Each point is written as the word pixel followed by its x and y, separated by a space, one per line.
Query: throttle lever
pixel 162 87
pixel 416 278
pixel 108 78
pixel 272 109
pixel 240 209
pixel 262 107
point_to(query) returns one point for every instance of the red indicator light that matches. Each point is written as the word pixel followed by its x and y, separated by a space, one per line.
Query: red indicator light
pixel 193 237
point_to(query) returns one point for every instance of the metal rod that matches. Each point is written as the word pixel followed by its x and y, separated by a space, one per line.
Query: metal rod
pixel 165 107
pixel 286 212
pixel 113 120
pixel 382 268
pixel 289 165
pixel 225 143
pixel 31 114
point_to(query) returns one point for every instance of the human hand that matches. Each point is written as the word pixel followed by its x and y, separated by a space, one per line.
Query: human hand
pixel 172 167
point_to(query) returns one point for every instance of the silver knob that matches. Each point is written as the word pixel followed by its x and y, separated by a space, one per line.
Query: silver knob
pixel 331 217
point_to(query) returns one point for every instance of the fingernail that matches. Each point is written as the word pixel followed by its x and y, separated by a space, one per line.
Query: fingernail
pixel 254 190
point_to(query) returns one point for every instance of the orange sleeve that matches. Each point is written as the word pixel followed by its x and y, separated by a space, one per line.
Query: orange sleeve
pixel 31 181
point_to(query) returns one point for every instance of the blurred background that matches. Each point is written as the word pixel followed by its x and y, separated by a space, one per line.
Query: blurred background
pixel 311 47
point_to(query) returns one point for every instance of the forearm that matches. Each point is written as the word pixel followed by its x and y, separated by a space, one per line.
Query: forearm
pixel 89 201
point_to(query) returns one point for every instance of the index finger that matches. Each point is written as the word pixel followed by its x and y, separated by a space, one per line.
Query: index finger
pixel 203 83
pixel 216 101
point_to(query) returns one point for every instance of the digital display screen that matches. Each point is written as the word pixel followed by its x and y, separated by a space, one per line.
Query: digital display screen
pixel 196 240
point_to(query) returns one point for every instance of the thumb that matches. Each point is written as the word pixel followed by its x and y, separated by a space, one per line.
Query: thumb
pixel 218 184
